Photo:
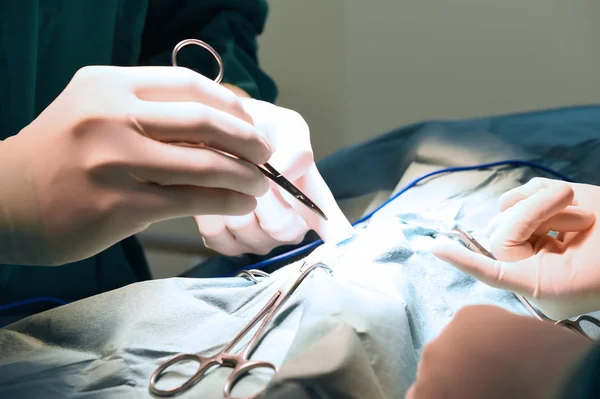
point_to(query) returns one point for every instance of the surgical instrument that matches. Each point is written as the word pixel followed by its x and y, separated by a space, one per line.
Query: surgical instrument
pixel 266 169
pixel 306 247
pixel 574 325
pixel 226 357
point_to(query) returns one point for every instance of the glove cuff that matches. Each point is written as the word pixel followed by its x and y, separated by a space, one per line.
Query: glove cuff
pixel 21 240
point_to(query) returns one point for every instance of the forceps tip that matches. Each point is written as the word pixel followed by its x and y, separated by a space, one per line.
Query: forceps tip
pixel 321 213
pixel 309 204
pixel 272 173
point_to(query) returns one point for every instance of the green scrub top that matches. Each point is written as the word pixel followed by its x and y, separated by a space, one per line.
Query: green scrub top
pixel 44 42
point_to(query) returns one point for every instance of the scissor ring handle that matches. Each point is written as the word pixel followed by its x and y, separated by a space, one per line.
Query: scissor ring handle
pixel 203 365
pixel 575 325
pixel 204 45
pixel 589 319
pixel 241 370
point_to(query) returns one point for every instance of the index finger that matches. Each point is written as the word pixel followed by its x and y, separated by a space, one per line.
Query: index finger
pixel 514 196
pixel 518 277
pixel 152 83
pixel 195 123
pixel 287 133
pixel 530 213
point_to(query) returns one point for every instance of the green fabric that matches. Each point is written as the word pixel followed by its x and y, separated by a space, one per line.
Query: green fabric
pixel 584 382
pixel 44 42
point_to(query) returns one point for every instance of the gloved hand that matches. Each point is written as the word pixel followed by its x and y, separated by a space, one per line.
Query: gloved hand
pixel 279 218
pixel 486 352
pixel 560 275
pixel 96 166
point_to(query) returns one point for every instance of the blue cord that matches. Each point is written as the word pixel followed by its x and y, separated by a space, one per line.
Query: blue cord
pixel 314 244
pixel 263 264
pixel 32 301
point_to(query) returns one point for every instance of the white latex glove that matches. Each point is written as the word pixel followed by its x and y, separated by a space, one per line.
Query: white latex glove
pixel 279 218
pixel 95 168
pixel 561 275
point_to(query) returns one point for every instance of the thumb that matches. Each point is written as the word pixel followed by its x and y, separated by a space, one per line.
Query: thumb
pixel 517 277
pixel 337 228
pixel 287 133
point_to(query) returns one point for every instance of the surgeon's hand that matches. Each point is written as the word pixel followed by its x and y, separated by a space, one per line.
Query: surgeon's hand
pixel 561 275
pixel 100 163
pixel 486 353
pixel 279 218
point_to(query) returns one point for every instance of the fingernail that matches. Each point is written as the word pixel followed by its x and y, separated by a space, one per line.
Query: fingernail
pixel 248 118
pixel 267 145
pixel 265 188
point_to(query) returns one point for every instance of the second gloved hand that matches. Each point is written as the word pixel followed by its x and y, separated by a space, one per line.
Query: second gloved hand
pixel 279 218
pixel 561 274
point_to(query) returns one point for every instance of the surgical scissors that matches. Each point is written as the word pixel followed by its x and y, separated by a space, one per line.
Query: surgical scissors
pixel 266 169
pixel 574 325
pixel 239 362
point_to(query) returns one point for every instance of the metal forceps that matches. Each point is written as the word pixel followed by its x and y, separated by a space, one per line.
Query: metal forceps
pixel 266 169
pixel 574 325
pixel 226 357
